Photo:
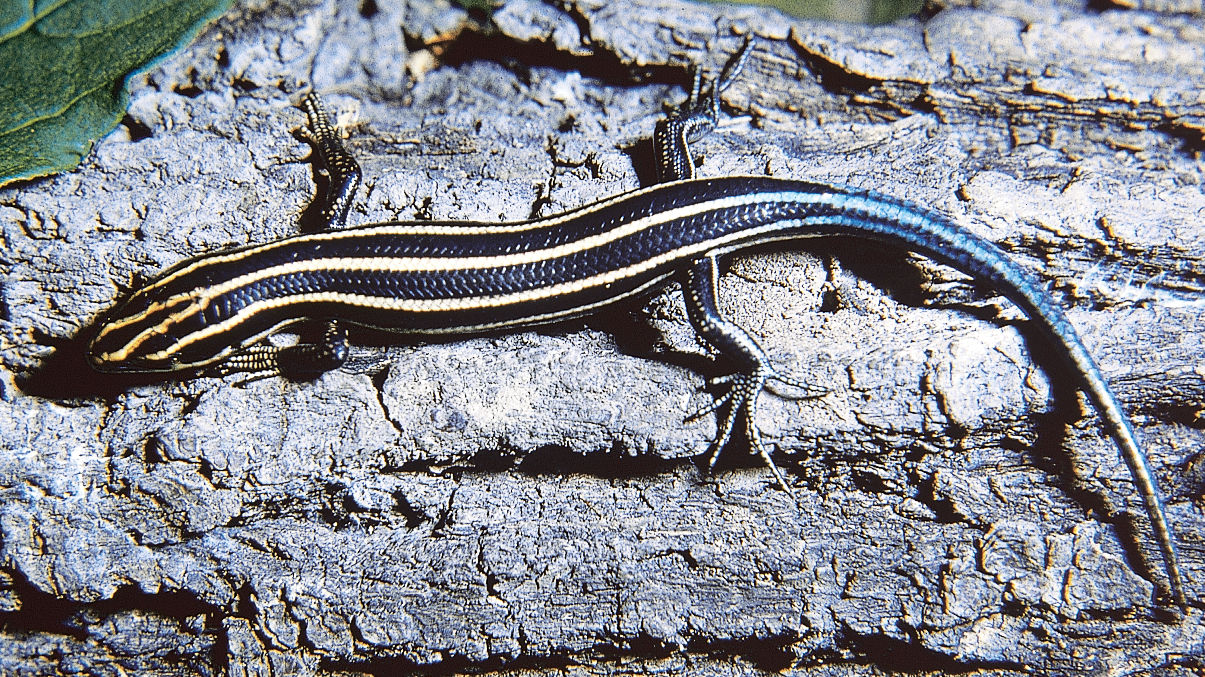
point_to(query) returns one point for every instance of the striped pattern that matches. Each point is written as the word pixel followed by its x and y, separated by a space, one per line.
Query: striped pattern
pixel 457 277
pixel 439 278
pixel 461 278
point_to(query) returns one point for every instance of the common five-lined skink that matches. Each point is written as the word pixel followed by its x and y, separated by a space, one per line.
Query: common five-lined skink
pixel 430 278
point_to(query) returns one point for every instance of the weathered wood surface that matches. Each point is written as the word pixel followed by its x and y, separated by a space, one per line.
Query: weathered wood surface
pixel 530 503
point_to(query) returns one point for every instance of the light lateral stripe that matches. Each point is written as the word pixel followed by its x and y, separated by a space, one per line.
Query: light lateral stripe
pixel 416 228
pixel 402 265
pixel 464 303
pixel 459 329
pixel 398 230
pixel 544 317
pixel 426 264
pixel 150 332
pixel 719 245
pixel 417 264
pixel 150 310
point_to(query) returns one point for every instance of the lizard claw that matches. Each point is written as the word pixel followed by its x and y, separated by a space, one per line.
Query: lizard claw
pixel 737 402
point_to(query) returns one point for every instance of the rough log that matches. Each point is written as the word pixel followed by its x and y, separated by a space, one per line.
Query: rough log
pixel 531 503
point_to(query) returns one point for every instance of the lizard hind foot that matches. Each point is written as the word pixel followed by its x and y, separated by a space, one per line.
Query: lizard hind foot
pixel 736 404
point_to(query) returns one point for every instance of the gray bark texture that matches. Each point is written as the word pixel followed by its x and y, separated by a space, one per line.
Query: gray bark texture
pixel 532 503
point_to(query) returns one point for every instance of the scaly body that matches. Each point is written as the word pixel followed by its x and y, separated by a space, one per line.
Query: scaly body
pixel 460 277
pixel 463 278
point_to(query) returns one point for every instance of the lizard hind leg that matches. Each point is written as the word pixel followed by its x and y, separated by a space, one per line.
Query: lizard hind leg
pixel 738 391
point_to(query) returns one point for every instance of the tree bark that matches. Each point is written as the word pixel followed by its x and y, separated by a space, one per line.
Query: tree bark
pixel 532 503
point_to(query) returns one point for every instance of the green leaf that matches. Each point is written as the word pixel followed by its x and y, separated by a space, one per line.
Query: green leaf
pixel 64 66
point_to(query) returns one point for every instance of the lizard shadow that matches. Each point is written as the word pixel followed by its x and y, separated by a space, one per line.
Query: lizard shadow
pixel 66 376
